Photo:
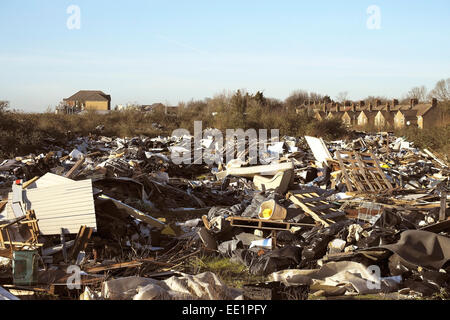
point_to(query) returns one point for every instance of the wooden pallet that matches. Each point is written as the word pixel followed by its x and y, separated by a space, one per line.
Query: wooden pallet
pixel 33 229
pixel 265 224
pixel 362 172
pixel 317 207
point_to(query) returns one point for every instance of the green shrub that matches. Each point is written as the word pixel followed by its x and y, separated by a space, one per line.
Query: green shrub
pixel 328 129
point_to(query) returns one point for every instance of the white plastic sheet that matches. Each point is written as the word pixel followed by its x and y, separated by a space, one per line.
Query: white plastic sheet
pixel 205 286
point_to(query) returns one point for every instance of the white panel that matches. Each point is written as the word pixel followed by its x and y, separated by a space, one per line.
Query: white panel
pixel 48 180
pixel 69 205
pixel 319 149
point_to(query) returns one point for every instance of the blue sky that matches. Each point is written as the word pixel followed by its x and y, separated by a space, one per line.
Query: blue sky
pixel 170 51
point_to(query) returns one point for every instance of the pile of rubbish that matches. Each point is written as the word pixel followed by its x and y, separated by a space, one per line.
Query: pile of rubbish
pixel 111 218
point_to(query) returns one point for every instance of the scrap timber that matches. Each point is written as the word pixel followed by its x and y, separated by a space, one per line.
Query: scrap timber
pixel 309 218
pixel 362 172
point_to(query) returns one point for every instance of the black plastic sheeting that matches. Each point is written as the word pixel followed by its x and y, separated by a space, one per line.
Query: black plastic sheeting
pixel 421 248
pixel 317 241
pixel 275 260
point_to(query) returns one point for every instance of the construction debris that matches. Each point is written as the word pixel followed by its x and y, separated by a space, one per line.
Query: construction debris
pixel 315 218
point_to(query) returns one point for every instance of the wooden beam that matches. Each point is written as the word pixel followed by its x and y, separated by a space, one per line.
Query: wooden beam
pixel 81 241
pixel 29 182
pixel 130 264
pixel 435 158
pixel 380 171
pixel 264 224
pixel 344 171
pixel 76 166
pixel 305 208
pixel 442 211
pixel 362 171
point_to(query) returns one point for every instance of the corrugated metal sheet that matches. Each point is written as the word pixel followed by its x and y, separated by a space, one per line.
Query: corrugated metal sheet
pixel 69 205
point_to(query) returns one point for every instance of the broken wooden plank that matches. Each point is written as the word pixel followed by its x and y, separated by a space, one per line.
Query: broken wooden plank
pixel 81 241
pixel 428 152
pixel 443 209
pixel 136 213
pixel 362 171
pixel 380 171
pixel 74 169
pixel 307 209
pixel 325 210
pixel 264 224
pixel 29 182
pixel 3 205
pixel 344 172
pixel 130 264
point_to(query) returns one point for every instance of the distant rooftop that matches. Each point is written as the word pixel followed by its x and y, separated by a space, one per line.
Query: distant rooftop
pixel 89 95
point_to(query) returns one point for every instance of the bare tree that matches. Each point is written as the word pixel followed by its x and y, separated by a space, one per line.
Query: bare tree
pixel 342 96
pixel 442 90
pixel 315 97
pixel 419 93
pixel 297 98
pixel 372 99
pixel 4 105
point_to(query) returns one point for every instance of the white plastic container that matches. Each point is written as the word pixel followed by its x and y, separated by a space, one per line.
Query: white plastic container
pixel 278 212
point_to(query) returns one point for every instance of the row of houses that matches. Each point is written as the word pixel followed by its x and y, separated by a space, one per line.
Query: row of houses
pixel 388 115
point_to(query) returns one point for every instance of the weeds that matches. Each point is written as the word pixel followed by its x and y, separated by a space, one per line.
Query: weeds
pixel 436 139
pixel 232 274
pixel 22 133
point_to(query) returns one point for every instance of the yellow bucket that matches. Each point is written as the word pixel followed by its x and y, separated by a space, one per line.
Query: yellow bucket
pixel 270 210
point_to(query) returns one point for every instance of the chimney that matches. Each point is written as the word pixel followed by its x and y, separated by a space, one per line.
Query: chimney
pixel 370 108
pixel 325 107
pixel 394 102
pixel 353 108
pixel 388 106
pixel 413 102
pixel 377 102
pixel 362 103
pixel 434 102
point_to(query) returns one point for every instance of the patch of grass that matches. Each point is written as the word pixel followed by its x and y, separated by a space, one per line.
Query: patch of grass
pixel 235 275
